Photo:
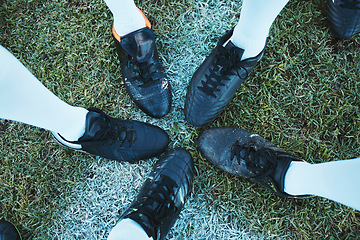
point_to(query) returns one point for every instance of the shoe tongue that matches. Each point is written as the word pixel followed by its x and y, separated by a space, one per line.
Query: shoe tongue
pixel 92 126
pixel 232 48
pixel 140 44
pixel 122 135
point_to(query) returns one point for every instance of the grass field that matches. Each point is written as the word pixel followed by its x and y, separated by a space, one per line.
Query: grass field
pixel 303 96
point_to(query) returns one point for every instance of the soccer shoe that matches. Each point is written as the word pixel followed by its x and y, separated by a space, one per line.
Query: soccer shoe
pixel 215 82
pixel 142 72
pixel 344 17
pixel 163 195
pixel 117 139
pixel 8 231
pixel 248 155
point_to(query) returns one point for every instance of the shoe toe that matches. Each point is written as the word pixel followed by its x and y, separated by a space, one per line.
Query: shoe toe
pixel 195 120
pixel 155 103
pixel 211 144
pixel 344 22
pixel 158 110
pixel 185 160
pixel 8 231
pixel 216 150
pixel 197 117
pixel 197 110
pixel 216 145
pixel 155 140
pixel 161 139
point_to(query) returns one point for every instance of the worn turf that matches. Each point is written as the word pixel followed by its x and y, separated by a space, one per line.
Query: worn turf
pixel 303 96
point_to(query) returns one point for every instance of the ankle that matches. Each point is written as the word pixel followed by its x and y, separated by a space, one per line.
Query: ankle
pixel 253 42
pixel 125 26
pixel 298 178
pixel 128 229
pixel 251 48
pixel 76 127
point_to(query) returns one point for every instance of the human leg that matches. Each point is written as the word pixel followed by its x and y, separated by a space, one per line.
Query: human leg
pixel 254 24
pixel 24 99
pixel 127 17
pixel 142 71
pixel 336 180
pixel 248 155
pixel 215 82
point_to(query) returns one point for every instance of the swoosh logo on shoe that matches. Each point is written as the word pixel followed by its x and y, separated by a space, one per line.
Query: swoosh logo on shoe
pixel 164 84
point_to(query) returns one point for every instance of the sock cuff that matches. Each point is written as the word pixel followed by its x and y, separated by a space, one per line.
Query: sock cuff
pixel 147 23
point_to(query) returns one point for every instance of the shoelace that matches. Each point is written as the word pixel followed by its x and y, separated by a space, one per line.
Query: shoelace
pixel 252 157
pixel 224 63
pixel 113 130
pixel 350 4
pixel 162 198
pixel 150 72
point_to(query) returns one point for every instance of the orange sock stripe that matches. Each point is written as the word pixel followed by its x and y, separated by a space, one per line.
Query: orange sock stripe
pixel 117 37
pixel 147 23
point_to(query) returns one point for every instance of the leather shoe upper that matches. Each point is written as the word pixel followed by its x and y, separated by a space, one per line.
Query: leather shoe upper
pixel 344 17
pixel 248 155
pixel 215 82
pixel 164 193
pixel 142 72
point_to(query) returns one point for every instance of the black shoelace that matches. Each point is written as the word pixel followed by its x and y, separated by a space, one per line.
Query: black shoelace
pixel 150 72
pixel 350 4
pixel 225 62
pixel 160 203
pixel 112 129
pixel 259 162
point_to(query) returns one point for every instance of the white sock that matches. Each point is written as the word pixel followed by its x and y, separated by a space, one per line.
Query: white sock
pixel 128 229
pixel 254 24
pixel 24 99
pixel 337 180
pixel 127 17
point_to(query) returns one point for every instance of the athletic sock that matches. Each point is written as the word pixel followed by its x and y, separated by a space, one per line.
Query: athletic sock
pixel 77 129
pixel 254 24
pixel 24 99
pixel 127 229
pixel 337 180
pixel 299 178
pixel 127 17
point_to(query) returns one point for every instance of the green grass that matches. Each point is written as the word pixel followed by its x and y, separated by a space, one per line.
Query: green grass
pixel 304 96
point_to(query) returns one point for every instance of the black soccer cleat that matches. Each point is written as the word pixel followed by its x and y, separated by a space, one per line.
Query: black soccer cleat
pixel 142 72
pixel 248 155
pixel 344 17
pixel 117 139
pixel 8 231
pixel 215 82
pixel 163 194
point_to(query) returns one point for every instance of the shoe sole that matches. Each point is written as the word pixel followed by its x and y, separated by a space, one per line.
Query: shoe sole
pixel 76 147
